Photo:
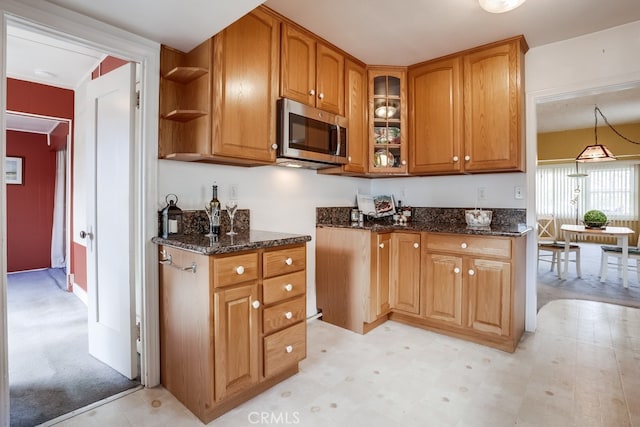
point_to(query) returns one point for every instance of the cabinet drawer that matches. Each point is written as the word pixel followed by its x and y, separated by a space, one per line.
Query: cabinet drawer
pixel 235 269
pixel 283 261
pixel 472 245
pixel 283 287
pixel 285 348
pixel 283 315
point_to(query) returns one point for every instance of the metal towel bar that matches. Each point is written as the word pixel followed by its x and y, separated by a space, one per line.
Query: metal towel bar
pixel 169 261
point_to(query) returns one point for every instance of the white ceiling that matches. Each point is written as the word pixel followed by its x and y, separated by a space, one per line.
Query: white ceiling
pixel 374 31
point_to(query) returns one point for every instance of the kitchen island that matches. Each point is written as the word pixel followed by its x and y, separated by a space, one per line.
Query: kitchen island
pixel 232 316
pixel 438 275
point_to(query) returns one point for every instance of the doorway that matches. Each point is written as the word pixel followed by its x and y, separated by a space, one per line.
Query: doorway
pixel 80 30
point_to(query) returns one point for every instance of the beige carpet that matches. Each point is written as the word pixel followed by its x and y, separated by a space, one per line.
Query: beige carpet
pixel 588 287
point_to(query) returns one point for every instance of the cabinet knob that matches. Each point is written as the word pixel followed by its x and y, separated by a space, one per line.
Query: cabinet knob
pixel 456 158
pixel 239 270
pixel 321 95
pixel 467 158
pixel 416 245
pixel 463 246
pixel 255 304
pixel 456 270
pixel 381 245
pixel 312 92
pixel 288 315
pixel 288 348
pixel 471 272
pixel 274 146
pixel 349 159
pixel 288 287
pixel 404 162
pixel 288 261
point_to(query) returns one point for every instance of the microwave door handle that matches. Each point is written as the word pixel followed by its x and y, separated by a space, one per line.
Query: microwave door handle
pixel 339 141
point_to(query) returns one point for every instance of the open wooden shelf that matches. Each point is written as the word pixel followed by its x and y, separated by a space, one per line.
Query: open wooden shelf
pixel 185 74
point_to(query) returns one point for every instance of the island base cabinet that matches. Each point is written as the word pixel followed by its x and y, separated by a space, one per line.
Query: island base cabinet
pixel 228 333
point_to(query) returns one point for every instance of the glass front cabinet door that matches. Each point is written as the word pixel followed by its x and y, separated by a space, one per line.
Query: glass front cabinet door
pixel 387 112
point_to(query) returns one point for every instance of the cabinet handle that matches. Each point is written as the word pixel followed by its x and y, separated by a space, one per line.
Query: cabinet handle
pixel 288 348
pixel 288 315
pixel 456 158
pixel 381 245
pixel 288 261
pixel 467 158
pixel 288 287
pixel 321 95
pixel 463 246
pixel 240 270
pixel 471 272
pixel 274 146
pixel 312 92
pixel 416 245
pixel 456 270
pixel 255 304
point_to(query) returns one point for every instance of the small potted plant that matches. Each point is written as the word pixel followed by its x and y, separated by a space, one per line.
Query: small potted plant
pixel 595 219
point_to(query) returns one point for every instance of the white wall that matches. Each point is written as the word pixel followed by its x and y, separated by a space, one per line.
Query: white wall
pixel 280 199
pixel 592 63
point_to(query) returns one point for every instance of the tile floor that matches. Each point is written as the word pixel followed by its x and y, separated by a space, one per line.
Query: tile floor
pixel 581 368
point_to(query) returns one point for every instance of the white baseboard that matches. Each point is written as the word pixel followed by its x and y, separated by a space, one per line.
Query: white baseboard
pixel 81 293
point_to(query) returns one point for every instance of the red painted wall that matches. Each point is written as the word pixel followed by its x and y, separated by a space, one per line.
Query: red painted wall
pixel 30 205
pixel 34 98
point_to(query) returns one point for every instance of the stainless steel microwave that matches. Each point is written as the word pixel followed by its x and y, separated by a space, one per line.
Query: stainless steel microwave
pixel 309 137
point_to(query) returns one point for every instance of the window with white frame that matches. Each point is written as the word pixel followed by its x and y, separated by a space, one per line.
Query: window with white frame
pixel 611 187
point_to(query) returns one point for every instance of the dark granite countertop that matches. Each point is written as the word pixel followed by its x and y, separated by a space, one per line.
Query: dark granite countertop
pixel 508 230
pixel 244 240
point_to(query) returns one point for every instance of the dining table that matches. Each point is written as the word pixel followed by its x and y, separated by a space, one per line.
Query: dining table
pixel 620 233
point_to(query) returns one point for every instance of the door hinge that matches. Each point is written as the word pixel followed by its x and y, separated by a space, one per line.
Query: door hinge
pixel 138 331
pixel 137 99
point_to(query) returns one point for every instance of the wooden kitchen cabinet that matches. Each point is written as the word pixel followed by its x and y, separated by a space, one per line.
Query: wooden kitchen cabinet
pixel 238 84
pixel 387 121
pixel 472 289
pixel 311 72
pixel 353 277
pixel 467 111
pixel 405 272
pixel 237 339
pixel 231 325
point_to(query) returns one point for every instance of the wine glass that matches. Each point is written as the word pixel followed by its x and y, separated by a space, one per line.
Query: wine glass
pixel 207 209
pixel 231 206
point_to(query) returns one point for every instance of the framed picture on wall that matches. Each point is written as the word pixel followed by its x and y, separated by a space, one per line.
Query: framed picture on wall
pixel 13 170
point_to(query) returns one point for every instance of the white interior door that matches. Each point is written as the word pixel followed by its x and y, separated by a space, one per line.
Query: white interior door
pixel 110 265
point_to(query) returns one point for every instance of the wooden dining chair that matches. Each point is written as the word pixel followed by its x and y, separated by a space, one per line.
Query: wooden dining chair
pixel 616 253
pixel 550 249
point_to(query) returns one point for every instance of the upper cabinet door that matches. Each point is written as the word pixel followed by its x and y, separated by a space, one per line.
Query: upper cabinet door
pixel 493 108
pixel 330 80
pixel 245 88
pixel 356 109
pixel 312 72
pixel 435 117
pixel 298 66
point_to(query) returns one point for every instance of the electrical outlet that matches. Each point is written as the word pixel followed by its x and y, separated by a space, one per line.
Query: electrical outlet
pixel 518 193
pixel 233 192
pixel 482 193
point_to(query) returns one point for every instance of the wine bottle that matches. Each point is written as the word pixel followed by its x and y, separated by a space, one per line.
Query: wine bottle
pixel 214 208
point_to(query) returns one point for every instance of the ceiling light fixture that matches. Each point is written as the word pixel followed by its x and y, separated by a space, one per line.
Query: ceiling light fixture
pixel 598 152
pixel 45 73
pixel 499 6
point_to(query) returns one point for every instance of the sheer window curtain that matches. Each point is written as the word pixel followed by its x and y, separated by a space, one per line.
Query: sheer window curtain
pixel 58 233
pixel 609 187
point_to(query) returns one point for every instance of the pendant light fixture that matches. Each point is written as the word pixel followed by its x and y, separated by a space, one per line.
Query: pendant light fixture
pixel 598 152
pixel 499 6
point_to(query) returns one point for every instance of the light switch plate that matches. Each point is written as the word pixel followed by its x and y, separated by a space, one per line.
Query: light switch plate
pixel 518 193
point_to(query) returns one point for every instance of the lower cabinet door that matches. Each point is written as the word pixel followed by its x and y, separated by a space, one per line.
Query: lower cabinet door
pixel 237 339
pixel 489 290
pixel 442 278
pixel 285 348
